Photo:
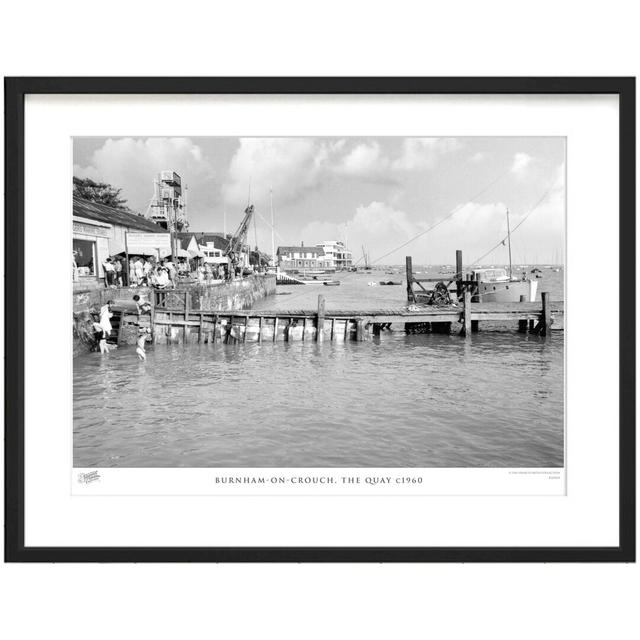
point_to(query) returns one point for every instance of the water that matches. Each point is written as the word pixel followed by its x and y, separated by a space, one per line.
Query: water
pixel 354 291
pixel 495 400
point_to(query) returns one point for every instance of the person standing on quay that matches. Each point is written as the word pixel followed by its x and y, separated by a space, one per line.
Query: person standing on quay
pixel 75 266
pixel 118 272
pixel 109 273
pixel 139 271
pixel 147 269
pixel 171 268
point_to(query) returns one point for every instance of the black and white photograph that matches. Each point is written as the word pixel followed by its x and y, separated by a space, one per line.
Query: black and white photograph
pixel 319 302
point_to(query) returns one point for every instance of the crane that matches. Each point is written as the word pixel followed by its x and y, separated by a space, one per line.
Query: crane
pixel 237 240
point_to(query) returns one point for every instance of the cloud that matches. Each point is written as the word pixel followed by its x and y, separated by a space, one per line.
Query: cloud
pixel 132 164
pixel 377 226
pixel 474 228
pixel 382 228
pixel 478 157
pixel 294 167
pixel 363 160
pixel 520 162
pixel 291 166
pixel 423 153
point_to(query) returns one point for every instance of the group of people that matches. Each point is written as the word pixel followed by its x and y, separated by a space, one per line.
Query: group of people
pixel 151 273
pixel 161 274
pixel 102 327
pixel 114 275
pixel 207 273
pixel 144 272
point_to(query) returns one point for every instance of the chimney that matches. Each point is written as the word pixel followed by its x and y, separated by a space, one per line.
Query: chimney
pixel 302 244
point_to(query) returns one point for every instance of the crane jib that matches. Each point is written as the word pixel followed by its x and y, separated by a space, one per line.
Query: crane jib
pixel 239 237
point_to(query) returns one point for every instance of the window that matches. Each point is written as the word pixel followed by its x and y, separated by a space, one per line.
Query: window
pixel 84 252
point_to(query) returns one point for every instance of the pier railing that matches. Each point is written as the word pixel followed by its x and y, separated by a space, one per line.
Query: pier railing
pixel 175 300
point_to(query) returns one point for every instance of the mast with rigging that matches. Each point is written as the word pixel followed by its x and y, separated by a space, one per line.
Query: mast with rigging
pixel 509 240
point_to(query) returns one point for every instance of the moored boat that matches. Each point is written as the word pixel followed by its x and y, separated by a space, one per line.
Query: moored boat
pixel 495 285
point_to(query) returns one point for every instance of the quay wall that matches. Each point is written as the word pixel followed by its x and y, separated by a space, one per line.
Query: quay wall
pixel 231 296
pixel 223 296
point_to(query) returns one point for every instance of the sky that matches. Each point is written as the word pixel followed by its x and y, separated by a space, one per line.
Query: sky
pixel 378 193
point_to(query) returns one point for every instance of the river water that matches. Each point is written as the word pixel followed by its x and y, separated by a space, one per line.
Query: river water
pixel 494 400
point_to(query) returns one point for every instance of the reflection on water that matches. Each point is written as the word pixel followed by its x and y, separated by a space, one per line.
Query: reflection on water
pixel 495 400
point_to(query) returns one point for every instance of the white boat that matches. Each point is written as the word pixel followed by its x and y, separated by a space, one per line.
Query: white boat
pixel 495 285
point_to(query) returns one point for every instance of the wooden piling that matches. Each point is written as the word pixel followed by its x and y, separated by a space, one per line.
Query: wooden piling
pixel 409 268
pixel 459 273
pixel 260 329
pixel 466 329
pixel 229 328
pixel 215 327
pixel 522 324
pixel 545 329
pixel 275 328
pixel 320 321
pixel 360 329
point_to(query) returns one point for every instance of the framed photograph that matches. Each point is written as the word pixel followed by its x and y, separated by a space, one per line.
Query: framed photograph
pixel 320 319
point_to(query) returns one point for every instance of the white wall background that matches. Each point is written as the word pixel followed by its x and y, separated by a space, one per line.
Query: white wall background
pixel 328 38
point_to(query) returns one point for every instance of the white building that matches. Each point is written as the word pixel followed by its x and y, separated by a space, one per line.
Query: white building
pixel 301 258
pixel 336 254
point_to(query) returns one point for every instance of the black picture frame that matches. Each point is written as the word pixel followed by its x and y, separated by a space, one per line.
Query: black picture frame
pixel 15 91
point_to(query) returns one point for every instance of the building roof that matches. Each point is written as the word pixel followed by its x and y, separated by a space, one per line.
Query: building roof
pixel 203 238
pixel 311 249
pixel 103 213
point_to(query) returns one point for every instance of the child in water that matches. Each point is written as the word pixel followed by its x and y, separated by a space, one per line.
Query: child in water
pixel 142 338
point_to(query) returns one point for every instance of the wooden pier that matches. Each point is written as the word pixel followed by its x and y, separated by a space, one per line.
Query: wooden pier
pixel 173 320
pixel 191 326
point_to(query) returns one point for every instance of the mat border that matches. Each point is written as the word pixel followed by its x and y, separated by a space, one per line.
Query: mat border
pixel 15 90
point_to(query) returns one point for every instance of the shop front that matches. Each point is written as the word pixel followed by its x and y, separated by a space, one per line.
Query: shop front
pixel 90 249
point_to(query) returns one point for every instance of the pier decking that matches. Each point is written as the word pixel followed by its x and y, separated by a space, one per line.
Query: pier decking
pixel 185 325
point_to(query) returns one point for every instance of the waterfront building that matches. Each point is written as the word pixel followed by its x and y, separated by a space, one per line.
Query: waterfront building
pixel 100 231
pixel 302 258
pixel 212 245
pixel 337 254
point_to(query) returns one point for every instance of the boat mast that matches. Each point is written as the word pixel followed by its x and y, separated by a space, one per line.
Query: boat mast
pixel 273 239
pixel 509 238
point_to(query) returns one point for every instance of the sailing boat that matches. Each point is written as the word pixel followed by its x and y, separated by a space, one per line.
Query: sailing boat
pixel 496 285
pixel 365 255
